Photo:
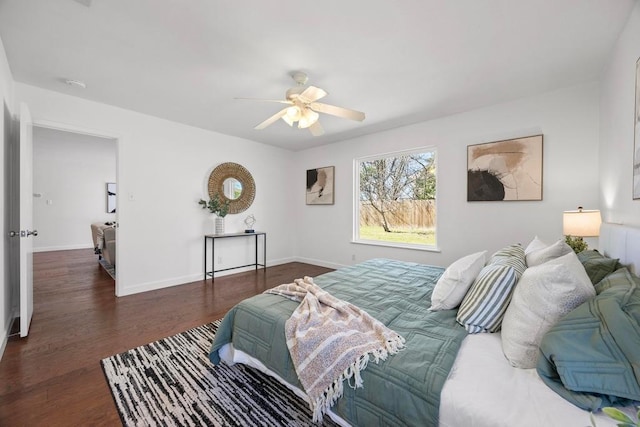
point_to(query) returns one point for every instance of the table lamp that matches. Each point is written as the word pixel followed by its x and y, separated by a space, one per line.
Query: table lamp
pixel 579 224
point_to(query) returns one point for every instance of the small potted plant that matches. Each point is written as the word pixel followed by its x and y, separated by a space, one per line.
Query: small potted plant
pixel 219 208
pixel 618 415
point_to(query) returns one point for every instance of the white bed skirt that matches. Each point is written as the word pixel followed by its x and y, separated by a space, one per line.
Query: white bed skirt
pixel 231 356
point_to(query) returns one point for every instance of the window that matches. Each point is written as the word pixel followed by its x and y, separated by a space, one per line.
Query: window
pixel 396 199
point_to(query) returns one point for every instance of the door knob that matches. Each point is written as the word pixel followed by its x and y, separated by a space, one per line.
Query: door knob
pixel 23 233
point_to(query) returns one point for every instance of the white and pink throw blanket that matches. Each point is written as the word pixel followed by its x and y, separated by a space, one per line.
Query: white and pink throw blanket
pixel 330 341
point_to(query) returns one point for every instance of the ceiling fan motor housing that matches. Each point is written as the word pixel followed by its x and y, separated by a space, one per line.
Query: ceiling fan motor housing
pixel 301 80
pixel 294 92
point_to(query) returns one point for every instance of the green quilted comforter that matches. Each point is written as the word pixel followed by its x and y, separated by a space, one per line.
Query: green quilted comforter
pixel 404 389
pixel 592 356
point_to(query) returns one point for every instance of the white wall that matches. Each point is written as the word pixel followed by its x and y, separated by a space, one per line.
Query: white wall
pixel 6 95
pixel 163 169
pixel 70 172
pixel 617 127
pixel 568 119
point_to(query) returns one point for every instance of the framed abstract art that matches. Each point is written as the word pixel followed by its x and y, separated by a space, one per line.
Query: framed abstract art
pixel 505 170
pixel 320 186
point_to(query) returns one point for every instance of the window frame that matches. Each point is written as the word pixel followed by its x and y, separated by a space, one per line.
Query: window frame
pixel 356 200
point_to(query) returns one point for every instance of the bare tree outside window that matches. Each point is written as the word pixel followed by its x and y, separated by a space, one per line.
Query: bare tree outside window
pixel 396 198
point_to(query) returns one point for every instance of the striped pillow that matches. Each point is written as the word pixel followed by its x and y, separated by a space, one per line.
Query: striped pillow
pixel 512 256
pixel 483 308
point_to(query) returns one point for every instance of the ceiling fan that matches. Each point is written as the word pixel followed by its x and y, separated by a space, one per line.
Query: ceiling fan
pixel 304 109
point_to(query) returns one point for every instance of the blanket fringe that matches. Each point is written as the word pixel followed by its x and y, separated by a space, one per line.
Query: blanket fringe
pixel 336 389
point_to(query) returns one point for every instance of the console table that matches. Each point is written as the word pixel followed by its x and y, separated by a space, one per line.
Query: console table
pixel 214 237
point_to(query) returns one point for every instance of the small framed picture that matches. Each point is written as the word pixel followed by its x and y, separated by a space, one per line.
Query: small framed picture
pixel 320 186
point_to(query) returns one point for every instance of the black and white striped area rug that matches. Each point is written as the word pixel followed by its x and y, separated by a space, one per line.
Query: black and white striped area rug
pixel 171 382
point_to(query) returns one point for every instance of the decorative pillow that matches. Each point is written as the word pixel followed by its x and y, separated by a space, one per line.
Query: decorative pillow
pixel 620 277
pixel 483 307
pixel 597 265
pixel 512 256
pixel 534 245
pixel 544 294
pixel 456 281
pixel 542 255
pixel 589 254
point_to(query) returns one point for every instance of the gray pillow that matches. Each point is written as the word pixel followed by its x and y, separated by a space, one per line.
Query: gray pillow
pixel 597 265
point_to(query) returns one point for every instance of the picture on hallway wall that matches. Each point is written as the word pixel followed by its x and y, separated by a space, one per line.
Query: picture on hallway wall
pixel 505 170
pixel 636 132
pixel 320 186
pixel 111 197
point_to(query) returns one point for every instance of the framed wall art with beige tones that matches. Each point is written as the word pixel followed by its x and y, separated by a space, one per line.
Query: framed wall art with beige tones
pixel 636 132
pixel 320 186
pixel 505 170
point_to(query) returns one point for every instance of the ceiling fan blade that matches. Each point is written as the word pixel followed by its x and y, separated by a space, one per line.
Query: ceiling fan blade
pixel 281 101
pixel 272 119
pixel 345 113
pixel 316 129
pixel 311 94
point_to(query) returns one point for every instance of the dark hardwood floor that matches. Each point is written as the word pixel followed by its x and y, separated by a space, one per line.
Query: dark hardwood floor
pixel 53 377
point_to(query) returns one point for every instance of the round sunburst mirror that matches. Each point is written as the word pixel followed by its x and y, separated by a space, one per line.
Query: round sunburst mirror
pixel 233 183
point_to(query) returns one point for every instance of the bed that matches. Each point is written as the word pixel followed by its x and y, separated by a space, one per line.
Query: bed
pixel 445 376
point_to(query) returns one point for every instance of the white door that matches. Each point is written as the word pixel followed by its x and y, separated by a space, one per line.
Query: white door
pixel 26 219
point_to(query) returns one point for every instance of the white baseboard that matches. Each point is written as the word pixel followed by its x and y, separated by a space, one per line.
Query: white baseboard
pixel 320 262
pixel 280 261
pixel 63 248
pixel 5 337
pixel 161 284
pixel 7 330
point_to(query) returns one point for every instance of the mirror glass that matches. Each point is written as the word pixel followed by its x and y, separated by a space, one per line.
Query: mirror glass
pixel 232 188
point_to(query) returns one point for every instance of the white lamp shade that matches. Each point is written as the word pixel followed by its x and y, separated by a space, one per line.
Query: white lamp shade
pixel 287 118
pixel 308 118
pixel 581 223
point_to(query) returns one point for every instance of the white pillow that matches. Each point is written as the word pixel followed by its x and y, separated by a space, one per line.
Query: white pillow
pixel 456 281
pixel 544 294
pixel 534 245
pixel 542 255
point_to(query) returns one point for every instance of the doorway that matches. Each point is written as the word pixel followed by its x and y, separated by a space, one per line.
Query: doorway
pixel 74 174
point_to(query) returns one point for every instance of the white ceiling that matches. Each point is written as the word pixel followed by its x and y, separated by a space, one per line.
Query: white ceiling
pixel 398 61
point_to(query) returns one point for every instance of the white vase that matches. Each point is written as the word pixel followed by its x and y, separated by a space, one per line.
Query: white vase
pixel 219 226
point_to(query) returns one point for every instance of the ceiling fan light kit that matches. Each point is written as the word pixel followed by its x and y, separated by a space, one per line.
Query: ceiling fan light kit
pixel 308 118
pixel 304 109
